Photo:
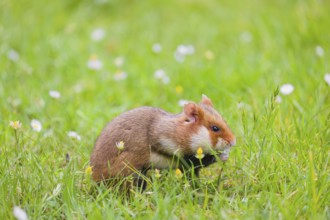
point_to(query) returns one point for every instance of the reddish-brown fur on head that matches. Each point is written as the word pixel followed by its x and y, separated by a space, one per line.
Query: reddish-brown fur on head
pixel 204 117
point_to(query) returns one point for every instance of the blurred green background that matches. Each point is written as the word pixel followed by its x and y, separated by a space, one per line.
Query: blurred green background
pixel 238 53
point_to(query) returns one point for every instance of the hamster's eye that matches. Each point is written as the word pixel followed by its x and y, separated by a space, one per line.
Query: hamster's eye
pixel 215 128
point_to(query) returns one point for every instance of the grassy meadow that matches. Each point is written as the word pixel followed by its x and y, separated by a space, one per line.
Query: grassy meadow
pixel 68 67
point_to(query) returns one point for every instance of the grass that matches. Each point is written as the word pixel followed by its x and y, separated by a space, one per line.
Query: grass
pixel 280 166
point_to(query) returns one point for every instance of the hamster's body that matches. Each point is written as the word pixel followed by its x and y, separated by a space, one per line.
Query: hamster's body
pixel 153 137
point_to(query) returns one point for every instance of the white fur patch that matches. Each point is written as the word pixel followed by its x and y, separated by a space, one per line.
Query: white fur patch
pixel 201 139
pixel 222 144
pixel 160 162
pixel 170 146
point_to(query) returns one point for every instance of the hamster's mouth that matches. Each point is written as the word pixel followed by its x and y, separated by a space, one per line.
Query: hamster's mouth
pixel 224 154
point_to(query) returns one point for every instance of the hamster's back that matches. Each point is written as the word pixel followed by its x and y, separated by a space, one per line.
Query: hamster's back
pixel 131 127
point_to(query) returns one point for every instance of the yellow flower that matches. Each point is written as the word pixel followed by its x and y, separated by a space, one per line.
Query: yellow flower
pixel 178 173
pixel 178 89
pixel 157 173
pixel 15 124
pixel 199 154
pixel 120 145
pixel 89 170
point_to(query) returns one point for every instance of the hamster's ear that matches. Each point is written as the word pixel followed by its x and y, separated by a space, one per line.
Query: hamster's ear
pixel 206 101
pixel 191 111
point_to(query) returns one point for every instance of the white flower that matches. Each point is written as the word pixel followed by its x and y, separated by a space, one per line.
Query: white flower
pixel 121 75
pixel 182 51
pixel 286 89
pixel 161 75
pixel 278 99
pixel 182 102
pixel 119 61
pixel 13 55
pixel 319 51
pixel 15 124
pixel 74 135
pixel 157 48
pixel 19 213
pixel 186 49
pixel 94 63
pixel 327 78
pixel 246 37
pixel 36 125
pixel 98 34
pixel 120 145
pixel 54 94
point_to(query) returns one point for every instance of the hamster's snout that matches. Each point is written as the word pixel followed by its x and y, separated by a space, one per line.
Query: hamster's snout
pixel 232 142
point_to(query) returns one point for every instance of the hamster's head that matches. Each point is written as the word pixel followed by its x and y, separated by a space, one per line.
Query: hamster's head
pixel 208 129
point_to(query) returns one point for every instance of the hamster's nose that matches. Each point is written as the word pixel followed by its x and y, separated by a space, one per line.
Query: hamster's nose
pixel 232 142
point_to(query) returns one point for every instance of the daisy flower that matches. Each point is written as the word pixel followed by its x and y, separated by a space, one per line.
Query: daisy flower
pixel 119 61
pixel 182 102
pixel 120 145
pixel 19 213
pixel 13 55
pixel 15 124
pixel 182 51
pixel 74 135
pixel 159 74
pixel 98 34
pixel 319 51
pixel 94 63
pixel 36 125
pixel 157 48
pixel 162 76
pixel 54 94
pixel 278 99
pixel 286 89
pixel 327 78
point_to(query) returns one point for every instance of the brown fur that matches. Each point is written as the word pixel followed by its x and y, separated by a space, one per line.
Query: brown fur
pixel 141 130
